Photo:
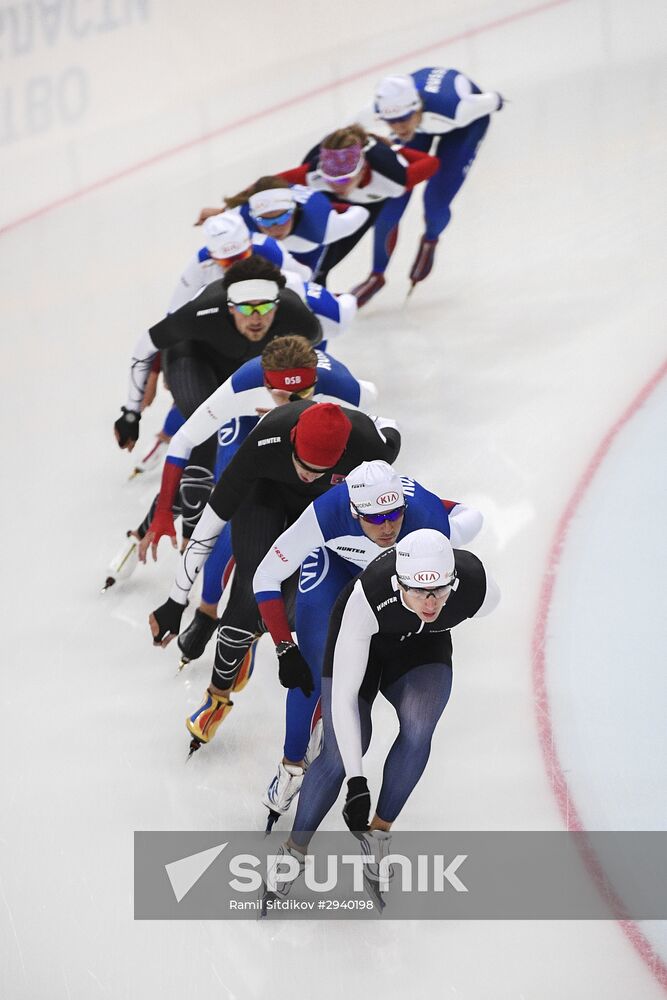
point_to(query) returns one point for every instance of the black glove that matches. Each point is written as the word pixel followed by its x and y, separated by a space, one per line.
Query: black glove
pixel 293 670
pixel 357 808
pixel 168 617
pixel 127 426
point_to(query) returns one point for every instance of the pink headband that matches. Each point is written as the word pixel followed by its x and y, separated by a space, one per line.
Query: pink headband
pixel 340 162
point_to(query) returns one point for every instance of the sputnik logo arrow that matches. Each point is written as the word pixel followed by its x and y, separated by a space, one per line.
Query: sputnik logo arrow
pixel 185 872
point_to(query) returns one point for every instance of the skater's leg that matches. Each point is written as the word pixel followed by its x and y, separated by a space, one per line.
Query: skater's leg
pixel 324 778
pixel 419 697
pixel 323 576
pixel 457 151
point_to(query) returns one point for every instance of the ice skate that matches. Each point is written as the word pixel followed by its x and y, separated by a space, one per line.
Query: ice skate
pixel 203 724
pixel 423 262
pixel 284 787
pixel 376 844
pixel 151 459
pixel 192 640
pixel 124 562
pixel 274 887
pixel 365 291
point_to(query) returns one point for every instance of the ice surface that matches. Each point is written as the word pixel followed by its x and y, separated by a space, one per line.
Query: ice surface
pixel 506 369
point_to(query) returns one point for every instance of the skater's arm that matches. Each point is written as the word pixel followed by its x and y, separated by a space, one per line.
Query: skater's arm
pixel 335 312
pixel 222 405
pixel 491 598
pixel 284 558
pixel 464 523
pixel 197 552
pixel 191 280
pixel 368 394
pixel 342 224
pixel 421 166
pixel 297 175
pixel 140 366
pixel 474 106
pixel 357 628
pixel 292 266
pixel 126 427
pixel 390 436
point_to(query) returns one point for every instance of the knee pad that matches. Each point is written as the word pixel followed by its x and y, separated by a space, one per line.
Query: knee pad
pixel 231 646
pixel 196 487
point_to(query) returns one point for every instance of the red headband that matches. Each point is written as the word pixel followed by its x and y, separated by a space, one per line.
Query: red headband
pixel 291 379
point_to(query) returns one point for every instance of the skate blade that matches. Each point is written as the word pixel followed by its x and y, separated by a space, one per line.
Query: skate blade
pixel 373 890
pixel 135 472
pixel 194 746
pixel 411 290
pixel 182 663
pixel 273 818
pixel 267 897
pixel 109 582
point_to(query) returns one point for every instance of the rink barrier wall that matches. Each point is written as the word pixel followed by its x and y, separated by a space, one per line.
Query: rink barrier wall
pixel 248 119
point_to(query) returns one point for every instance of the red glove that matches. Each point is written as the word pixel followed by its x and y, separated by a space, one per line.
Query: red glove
pixel 162 524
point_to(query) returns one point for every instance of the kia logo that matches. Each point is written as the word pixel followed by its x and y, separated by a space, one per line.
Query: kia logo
pixel 427 576
pixel 388 498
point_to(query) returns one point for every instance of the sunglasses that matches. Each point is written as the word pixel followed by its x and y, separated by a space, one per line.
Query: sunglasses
pixel 277 220
pixel 309 468
pixel 247 309
pixel 386 515
pixel 228 261
pixel 423 593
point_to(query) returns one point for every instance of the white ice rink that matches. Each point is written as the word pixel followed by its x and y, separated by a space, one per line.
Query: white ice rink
pixel 528 378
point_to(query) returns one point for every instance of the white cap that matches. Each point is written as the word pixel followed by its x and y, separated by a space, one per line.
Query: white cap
pixel 396 97
pixel 425 558
pixel 226 235
pixel 374 487
pixel 273 200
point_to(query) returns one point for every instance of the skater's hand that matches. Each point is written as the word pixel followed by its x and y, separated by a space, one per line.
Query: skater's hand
pixel 357 808
pixel 162 524
pixel 206 213
pixel 165 622
pixel 293 670
pixel 126 428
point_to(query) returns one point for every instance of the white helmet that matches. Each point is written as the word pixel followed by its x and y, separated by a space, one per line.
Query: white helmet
pixel 374 487
pixel 396 97
pixel 226 235
pixel 425 558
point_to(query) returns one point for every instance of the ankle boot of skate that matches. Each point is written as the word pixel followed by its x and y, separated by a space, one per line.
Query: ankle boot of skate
pixel 423 262
pixel 283 787
pixel 203 723
pixel 124 562
pixel 365 291
pixel 193 640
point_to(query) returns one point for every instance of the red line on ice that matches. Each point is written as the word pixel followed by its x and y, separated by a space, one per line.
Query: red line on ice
pixel 567 807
